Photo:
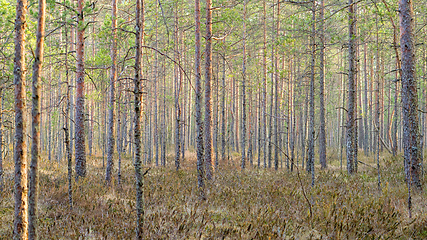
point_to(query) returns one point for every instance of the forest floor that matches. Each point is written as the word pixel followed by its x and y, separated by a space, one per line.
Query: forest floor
pixel 253 204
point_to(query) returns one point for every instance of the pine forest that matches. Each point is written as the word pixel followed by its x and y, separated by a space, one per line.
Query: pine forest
pixel 224 119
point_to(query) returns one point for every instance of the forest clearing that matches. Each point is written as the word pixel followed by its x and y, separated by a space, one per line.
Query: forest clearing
pixel 253 204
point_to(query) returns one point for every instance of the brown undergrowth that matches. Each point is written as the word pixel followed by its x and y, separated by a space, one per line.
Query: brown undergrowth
pixel 253 204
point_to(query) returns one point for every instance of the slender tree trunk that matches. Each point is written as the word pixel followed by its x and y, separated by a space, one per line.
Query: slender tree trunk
pixel 35 113
pixel 80 120
pixel 198 103
pixel 276 95
pixel 139 30
pixel 113 78
pixel 20 230
pixel 66 125
pixel 156 129
pixel 223 113
pixel 311 133
pixel 351 111
pixel 270 130
pixel 409 94
pixel 322 133
pixel 208 107
pixel 365 106
pixel 243 165
pixel 264 82
pixel 177 86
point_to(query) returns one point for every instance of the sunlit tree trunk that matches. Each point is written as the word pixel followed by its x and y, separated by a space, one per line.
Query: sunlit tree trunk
pixel 20 230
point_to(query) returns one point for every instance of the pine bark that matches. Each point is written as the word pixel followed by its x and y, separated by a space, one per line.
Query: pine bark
pixel 311 133
pixel 35 130
pixel 111 100
pixel 80 151
pixel 20 230
pixel 139 32
pixel 243 164
pixel 198 103
pixel 351 111
pixel 409 94
pixel 322 132
pixel 208 103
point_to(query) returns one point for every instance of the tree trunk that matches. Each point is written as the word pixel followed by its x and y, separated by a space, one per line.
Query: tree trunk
pixel 409 94
pixel 322 133
pixel 177 86
pixel 156 129
pixel 113 78
pixel 20 230
pixel 198 103
pixel 66 125
pixel 139 30
pixel 36 108
pixel 208 108
pixel 243 165
pixel 311 133
pixel 351 89
pixel 80 117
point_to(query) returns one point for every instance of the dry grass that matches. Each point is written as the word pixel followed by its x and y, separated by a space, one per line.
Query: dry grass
pixel 254 204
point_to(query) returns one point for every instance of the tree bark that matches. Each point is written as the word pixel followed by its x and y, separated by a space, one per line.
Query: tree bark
pixel 208 107
pixel 243 165
pixel 311 132
pixel 35 130
pixel 113 79
pixel 139 30
pixel 20 230
pixel 409 94
pixel 322 133
pixel 80 119
pixel 351 127
pixel 198 103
